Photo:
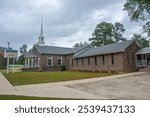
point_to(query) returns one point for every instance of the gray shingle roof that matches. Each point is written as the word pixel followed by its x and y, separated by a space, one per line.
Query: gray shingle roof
pixel 86 50
pixel 57 50
pixel 143 51
pixel 106 49
pixel 30 54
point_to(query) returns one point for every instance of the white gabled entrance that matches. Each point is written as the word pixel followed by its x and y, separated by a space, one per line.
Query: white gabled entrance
pixel 143 59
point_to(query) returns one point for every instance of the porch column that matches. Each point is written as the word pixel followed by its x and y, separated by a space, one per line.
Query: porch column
pixel 146 60
pixel 32 62
pixel 142 58
pixel 25 62
pixel 36 61
pixel 28 62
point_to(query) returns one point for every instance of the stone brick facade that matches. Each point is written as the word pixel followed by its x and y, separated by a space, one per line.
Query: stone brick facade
pixel 120 61
pixel 96 63
pixel 129 61
pixel 54 67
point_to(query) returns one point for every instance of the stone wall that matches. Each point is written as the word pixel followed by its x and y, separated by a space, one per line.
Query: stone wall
pixel 55 67
pixel 129 61
pixel 95 63
pixel 122 61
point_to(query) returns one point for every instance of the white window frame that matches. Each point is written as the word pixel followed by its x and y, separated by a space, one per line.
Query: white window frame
pixel 50 57
pixel 59 57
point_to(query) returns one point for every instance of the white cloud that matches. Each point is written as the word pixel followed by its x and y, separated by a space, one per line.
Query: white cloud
pixel 72 39
pixel 66 22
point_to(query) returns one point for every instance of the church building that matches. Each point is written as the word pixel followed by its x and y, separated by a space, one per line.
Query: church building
pixel 127 56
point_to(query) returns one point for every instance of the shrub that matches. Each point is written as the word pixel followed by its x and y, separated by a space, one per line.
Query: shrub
pixel 62 67
pixel 114 72
pixel 104 71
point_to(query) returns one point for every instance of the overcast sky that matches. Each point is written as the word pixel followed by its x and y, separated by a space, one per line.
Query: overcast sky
pixel 66 22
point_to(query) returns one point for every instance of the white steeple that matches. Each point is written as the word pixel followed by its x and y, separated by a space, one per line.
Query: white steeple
pixel 41 37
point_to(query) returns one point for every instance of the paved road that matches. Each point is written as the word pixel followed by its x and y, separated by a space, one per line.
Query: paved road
pixel 124 86
pixel 127 87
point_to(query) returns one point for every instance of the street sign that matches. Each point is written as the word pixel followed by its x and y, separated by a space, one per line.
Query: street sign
pixel 8 53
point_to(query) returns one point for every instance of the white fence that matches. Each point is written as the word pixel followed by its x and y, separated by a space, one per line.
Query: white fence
pixel 16 67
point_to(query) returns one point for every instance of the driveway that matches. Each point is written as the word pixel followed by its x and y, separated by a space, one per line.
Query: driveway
pixel 124 86
pixel 128 87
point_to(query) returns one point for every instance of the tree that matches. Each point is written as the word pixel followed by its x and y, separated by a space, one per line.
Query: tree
pixel 106 33
pixel 118 30
pixel 23 50
pixel 143 40
pixel 81 44
pixel 139 10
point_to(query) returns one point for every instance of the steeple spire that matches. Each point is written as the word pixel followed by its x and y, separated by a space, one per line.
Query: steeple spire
pixel 41 37
pixel 41 33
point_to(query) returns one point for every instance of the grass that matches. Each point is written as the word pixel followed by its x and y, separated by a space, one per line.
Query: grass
pixel 24 78
pixel 14 97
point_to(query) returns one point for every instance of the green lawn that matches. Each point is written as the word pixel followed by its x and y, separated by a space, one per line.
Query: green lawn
pixel 14 97
pixel 23 78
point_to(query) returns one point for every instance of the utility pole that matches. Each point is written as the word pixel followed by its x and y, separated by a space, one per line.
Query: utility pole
pixel 8 58
pixel 8 45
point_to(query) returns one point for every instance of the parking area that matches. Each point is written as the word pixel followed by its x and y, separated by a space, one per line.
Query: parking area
pixel 132 86
pixel 127 87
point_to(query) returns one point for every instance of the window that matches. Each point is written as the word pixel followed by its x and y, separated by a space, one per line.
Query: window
pixel 128 57
pixel 95 60
pixel 49 61
pixel 72 62
pixel 68 62
pixel 112 58
pixel 103 59
pixel 89 61
pixel 77 62
pixel 82 62
pixel 59 60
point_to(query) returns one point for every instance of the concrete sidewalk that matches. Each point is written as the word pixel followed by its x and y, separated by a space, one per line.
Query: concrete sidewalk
pixel 61 89
pixel 5 86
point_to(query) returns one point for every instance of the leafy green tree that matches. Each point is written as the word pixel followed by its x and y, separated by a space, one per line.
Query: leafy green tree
pixel 139 10
pixel 143 40
pixel 81 44
pixel 23 50
pixel 106 33
pixel 118 30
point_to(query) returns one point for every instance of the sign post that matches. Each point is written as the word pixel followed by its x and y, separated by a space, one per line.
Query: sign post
pixel 7 65
pixel 13 64
pixel 9 53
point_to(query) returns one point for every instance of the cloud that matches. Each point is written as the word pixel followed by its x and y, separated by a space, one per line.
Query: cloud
pixel 66 22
